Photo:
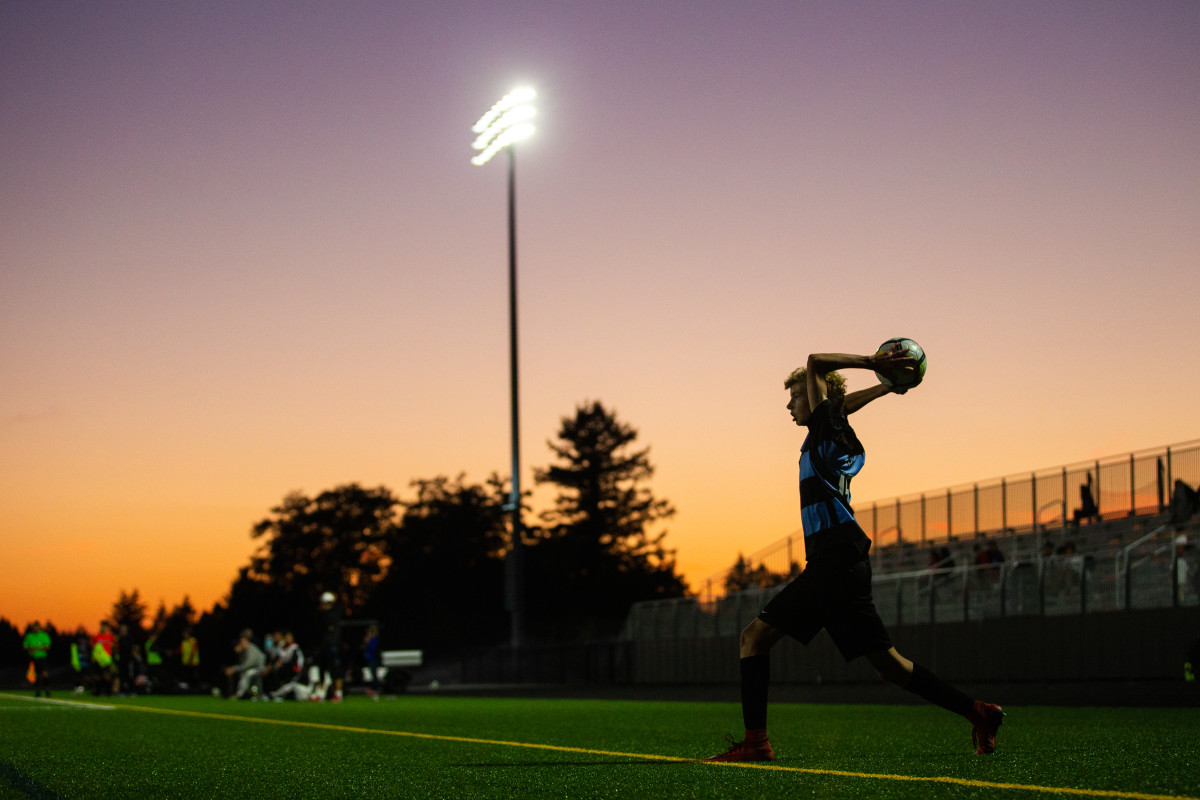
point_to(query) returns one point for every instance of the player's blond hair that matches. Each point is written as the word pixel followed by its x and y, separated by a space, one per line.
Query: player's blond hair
pixel 835 384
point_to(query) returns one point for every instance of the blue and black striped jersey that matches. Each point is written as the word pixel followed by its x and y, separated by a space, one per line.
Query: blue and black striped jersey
pixel 830 457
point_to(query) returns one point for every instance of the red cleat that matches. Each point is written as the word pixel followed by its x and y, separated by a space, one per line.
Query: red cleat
pixel 745 750
pixel 986 719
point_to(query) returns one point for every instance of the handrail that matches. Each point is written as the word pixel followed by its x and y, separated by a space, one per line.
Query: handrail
pixel 1124 570
pixel 1062 504
pixel 1146 538
pixel 1129 548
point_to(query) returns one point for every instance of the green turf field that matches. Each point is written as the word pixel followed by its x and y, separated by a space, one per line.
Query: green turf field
pixel 461 747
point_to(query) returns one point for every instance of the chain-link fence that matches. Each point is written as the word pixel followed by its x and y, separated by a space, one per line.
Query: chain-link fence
pixel 1118 487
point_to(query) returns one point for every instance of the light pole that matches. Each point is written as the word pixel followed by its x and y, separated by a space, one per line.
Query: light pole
pixel 504 124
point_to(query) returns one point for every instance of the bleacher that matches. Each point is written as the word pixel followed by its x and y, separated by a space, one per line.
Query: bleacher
pixel 1114 565
pixel 1027 546
pixel 1126 496
pixel 1125 551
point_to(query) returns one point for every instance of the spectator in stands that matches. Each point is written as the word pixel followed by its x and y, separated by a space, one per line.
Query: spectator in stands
pixel 834 591
pixel 247 672
pixel 941 562
pixel 1185 502
pixel 989 562
pixel 37 647
pixel 1087 503
pixel 1069 568
pixel 1186 569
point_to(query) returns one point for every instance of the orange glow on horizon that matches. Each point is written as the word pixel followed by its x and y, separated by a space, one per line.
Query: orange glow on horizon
pixel 245 253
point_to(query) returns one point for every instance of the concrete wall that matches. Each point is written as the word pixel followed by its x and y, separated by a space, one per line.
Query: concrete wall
pixel 1148 645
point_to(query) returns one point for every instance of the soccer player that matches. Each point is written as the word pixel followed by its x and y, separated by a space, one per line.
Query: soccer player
pixel 81 660
pixel 834 590
pixel 289 660
pixel 300 691
pixel 248 670
pixel 371 661
pixel 328 657
pixel 107 682
pixel 37 645
pixel 189 661
pixel 290 669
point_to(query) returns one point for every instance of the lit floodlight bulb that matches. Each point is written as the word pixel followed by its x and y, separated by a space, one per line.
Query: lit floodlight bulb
pixel 503 140
pixel 513 98
pixel 507 120
pixel 504 123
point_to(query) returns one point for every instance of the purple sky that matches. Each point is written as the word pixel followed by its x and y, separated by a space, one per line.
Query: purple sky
pixel 244 252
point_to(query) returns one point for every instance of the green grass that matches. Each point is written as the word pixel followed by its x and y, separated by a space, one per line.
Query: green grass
pixel 460 747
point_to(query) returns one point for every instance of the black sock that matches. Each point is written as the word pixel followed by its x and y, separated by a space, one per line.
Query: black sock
pixel 756 675
pixel 929 686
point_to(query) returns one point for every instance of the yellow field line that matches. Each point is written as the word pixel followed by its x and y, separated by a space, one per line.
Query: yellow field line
pixel 655 757
pixel 756 765
pixel 64 703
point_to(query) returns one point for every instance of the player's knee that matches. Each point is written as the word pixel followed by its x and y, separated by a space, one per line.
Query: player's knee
pixel 750 642
pixel 890 666
pixel 757 638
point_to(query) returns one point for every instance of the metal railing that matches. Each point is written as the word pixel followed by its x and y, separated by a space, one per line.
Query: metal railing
pixel 1129 485
pixel 1158 571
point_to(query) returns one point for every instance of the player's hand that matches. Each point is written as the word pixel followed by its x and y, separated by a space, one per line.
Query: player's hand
pixel 896 362
pixel 894 359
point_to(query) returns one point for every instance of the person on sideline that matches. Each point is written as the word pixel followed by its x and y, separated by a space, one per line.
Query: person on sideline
pixel 328 655
pixel 37 647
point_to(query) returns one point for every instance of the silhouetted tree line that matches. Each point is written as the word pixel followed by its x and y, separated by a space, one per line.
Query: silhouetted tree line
pixel 741 576
pixel 429 567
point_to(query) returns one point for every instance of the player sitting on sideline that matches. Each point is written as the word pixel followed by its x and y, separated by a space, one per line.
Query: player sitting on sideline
pixel 248 671
pixel 834 591
pixel 298 689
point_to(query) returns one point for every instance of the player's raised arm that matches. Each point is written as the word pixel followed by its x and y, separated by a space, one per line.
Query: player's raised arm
pixel 819 365
pixel 894 359
pixel 856 400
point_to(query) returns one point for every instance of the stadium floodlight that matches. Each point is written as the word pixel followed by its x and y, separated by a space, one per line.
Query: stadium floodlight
pixel 506 123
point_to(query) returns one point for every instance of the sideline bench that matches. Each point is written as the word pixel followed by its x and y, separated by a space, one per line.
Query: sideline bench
pixel 402 658
pixel 393 673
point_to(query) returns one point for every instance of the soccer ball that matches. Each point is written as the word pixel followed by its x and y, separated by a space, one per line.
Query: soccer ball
pixel 899 379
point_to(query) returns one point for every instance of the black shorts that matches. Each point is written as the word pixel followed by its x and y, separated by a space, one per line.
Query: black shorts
pixel 836 598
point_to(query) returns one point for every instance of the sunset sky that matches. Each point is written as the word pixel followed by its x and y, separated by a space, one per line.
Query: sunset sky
pixel 243 251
